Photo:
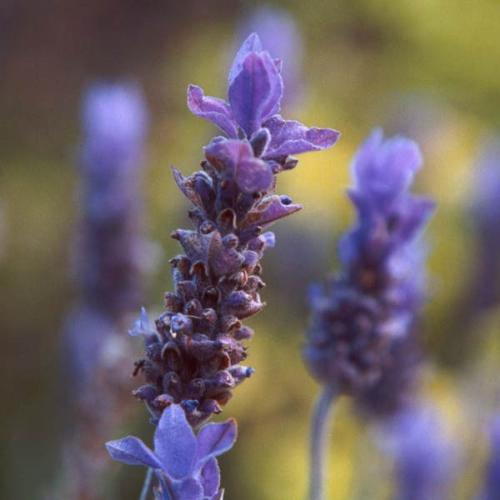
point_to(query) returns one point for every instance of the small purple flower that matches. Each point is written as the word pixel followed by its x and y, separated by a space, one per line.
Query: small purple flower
pixel 185 464
pixel 254 100
pixel 373 301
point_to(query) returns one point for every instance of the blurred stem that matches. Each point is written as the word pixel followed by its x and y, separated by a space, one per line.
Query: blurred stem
pixel 147 485
pixel 320 430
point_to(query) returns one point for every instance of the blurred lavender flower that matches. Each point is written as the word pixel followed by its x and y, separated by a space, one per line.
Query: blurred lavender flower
pixel 280 34
pixel 186 465
pixel 491 487
pixel 424 459
pixel 373 300
pixel 486 219
pixel 370 305
pixel 108 267
pixel 194 350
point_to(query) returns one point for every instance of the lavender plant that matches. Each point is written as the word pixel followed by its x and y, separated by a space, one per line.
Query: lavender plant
pixel 108 271
pixel 195 349
pixel 371 302
pixel 184 463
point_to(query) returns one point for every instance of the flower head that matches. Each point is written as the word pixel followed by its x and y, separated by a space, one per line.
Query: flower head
pixel 185 463
pixel 372 301
pixel 195 352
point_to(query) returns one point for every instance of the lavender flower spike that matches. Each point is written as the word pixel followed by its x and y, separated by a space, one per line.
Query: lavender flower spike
pixel 185 465
pixel 254 100
pixel 371 303
pixel 194 355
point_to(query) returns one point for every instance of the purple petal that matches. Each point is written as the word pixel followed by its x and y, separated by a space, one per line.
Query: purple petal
pixel 251 44
pixel 142 325
pixel 210 478
pixel 212 109
pixel 289 137
pixel 132 451
pixel 255 93
pixel 270 210
pixel 175 443
pixel 215 439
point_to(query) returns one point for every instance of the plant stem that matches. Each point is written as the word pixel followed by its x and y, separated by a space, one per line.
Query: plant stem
pixel 147 485
pixel 320 427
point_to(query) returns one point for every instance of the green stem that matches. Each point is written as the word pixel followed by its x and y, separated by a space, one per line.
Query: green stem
pixel 147 485
pixel 320 430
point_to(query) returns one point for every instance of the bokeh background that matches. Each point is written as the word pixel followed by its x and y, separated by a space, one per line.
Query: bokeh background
pixel 428 69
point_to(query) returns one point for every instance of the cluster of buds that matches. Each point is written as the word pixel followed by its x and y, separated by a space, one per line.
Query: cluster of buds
pixel 373 301
pixel 194 352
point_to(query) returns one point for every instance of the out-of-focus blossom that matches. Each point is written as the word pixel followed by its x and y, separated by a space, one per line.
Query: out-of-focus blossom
pixel 491 487
pixel 373 300
pixel 185 463
pixel 195 350
pixel 108 271
pixel 424 459
pixel 111 245
pixel 281 35
pixel 486 221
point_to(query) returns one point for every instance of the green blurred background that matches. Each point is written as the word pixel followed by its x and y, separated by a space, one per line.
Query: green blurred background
pixel 428 68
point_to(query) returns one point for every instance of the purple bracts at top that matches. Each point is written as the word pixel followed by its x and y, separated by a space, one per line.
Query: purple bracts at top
pixel 491 488
pixel 254 100
pixel 280 34
pixel 115 122
pixel 185 464
pixel 373 300
pixel 194 351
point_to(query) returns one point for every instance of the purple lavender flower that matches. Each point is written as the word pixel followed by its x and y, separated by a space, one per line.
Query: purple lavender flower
pixel 491 486
pixel 185 465
pixel 372 301
pixel 280 34
pixel 195 350
pixel 423 459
